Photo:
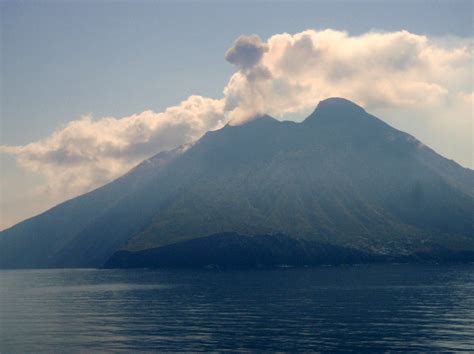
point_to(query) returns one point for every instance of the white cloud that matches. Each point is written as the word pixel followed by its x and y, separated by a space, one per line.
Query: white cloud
pixel 397 69
pixel 87 153
pixel 419 84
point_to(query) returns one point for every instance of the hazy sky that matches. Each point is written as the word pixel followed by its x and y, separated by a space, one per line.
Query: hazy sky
pixel 63 60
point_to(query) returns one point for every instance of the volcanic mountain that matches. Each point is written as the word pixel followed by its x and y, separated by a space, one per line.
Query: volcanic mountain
pixel 340 187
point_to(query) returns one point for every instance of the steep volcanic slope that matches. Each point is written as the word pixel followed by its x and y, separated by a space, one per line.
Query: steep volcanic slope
pixel 342 178
pixel 40 241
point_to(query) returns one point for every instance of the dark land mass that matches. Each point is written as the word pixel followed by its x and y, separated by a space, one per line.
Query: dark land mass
pixel 340 187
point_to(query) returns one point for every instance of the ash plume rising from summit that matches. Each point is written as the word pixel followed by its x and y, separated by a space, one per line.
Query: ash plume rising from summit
pixel 417 83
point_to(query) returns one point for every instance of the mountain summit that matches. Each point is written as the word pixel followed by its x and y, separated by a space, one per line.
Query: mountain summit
pixel 340 187
pixel 337 104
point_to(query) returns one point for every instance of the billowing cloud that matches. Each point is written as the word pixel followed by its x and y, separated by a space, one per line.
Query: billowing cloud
pixel 376 70
pixel 87 153
pixel 246 52
pixel 418 84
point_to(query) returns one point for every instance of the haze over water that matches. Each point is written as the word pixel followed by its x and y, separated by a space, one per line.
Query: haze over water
pixel 372 307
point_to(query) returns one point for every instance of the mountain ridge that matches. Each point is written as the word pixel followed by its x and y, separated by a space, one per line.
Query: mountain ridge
pixel 335 178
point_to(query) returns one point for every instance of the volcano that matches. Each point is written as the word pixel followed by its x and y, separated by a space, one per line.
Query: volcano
pixel 340 187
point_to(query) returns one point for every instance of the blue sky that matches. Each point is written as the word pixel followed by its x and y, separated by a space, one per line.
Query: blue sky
pixel 64 59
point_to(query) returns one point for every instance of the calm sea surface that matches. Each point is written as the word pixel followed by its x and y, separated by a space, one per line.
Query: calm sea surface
pixel 377 308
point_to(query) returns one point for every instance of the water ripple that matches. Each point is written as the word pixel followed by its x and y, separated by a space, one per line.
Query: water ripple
pixel 377 308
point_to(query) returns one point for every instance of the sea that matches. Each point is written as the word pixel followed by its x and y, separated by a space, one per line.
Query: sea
pixel 358 308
